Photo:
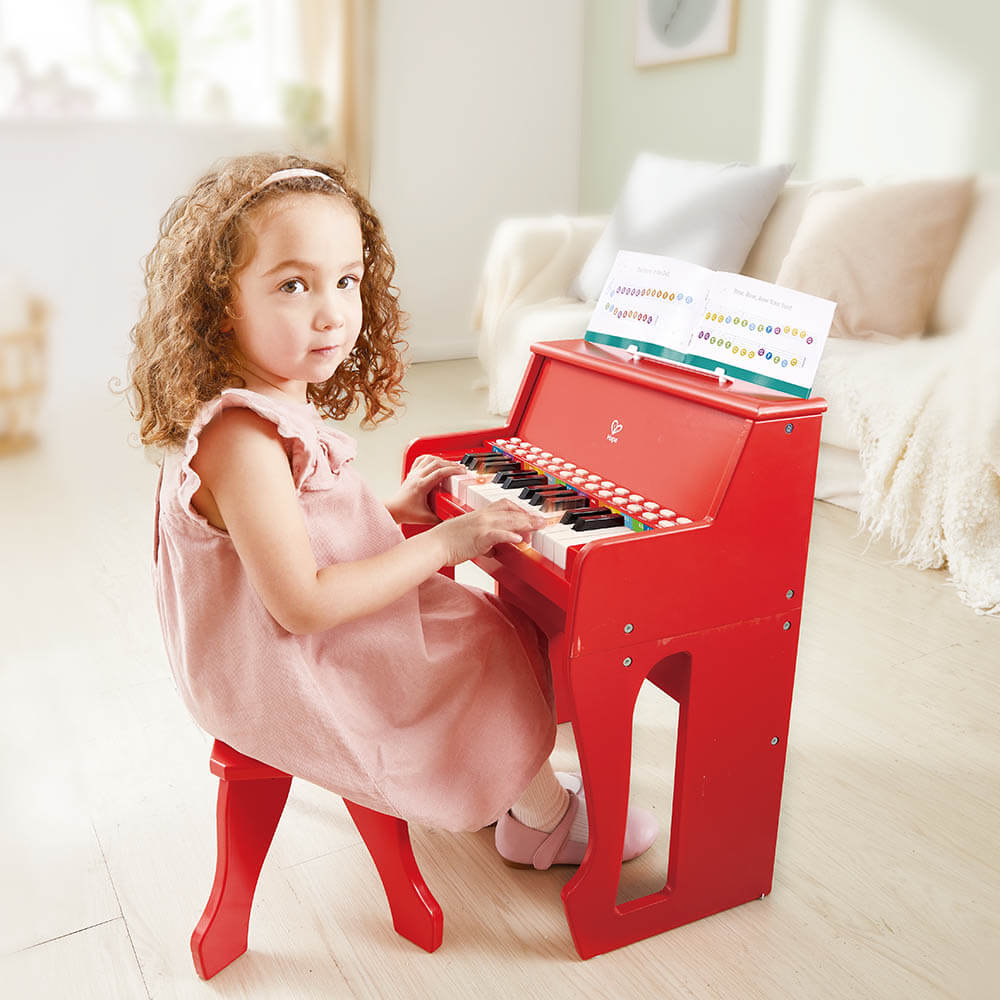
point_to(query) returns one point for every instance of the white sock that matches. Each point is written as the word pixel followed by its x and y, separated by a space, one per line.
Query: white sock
pixel 579 829
pixel 543 803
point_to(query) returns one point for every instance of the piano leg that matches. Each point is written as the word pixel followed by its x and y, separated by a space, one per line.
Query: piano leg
pixel 734 687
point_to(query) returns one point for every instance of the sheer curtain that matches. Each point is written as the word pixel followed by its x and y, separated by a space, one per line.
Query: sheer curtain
pixel 337 63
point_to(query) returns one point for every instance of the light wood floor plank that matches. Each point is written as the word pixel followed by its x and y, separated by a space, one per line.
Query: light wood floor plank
pixel 96 963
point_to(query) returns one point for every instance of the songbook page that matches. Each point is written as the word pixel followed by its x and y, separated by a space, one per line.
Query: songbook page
pixel 651 303
pixel 747 329
pixel 762 333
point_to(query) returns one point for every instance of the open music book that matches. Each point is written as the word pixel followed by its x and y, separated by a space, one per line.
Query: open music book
pixel 752 330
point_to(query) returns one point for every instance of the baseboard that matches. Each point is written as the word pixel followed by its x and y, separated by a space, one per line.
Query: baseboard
pixel 447 350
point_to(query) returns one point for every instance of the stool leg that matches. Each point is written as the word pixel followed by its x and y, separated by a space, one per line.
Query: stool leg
pixel 416 914
pixel 246 817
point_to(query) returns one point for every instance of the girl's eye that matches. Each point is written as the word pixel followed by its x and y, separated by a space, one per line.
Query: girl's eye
pixel 290 285
pixel 348 281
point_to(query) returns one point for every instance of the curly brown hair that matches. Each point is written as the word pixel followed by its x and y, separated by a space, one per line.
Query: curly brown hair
pixel 181 359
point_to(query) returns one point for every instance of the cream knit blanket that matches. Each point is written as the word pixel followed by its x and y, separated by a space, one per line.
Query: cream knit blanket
pixel 926 414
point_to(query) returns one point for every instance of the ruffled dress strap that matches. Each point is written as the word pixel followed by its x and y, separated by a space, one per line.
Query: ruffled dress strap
pixel 315 452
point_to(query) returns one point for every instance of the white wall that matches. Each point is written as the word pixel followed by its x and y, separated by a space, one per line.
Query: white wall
pixel 79 208
pixel 477 118
pixel 865 88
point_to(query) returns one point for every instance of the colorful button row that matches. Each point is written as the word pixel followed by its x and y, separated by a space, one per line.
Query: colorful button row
pixel 750 352
pixel 630 314
pixel 750 325
pixel 656 293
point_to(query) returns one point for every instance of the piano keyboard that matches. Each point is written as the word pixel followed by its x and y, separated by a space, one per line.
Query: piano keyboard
pixel 579 505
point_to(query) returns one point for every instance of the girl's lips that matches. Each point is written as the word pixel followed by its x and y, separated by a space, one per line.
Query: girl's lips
pixel 323 350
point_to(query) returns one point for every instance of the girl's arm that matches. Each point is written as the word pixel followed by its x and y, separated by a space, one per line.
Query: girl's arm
pixel 243 466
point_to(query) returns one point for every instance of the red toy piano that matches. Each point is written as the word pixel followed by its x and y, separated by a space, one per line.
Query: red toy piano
pixel 678 512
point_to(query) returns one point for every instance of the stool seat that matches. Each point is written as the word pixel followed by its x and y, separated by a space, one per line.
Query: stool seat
pixel 252 796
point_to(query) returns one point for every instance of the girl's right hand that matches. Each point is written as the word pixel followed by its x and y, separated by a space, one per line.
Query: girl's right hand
pixel 474 534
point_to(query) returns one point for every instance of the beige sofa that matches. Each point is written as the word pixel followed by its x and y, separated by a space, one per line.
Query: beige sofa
pixel 524 298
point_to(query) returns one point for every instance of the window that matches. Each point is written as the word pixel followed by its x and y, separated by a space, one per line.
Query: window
pixel 226 60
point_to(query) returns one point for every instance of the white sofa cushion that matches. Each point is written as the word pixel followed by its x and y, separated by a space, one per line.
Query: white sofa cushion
pixel 706 213
pixel 879 252
pixel 977 254
pixel 778 231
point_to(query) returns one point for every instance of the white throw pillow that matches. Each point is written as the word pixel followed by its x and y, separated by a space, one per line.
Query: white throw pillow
pixel 705 213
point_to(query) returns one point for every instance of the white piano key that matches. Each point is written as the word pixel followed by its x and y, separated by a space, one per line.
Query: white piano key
pixel 478 495
pixel 559 545
pixel 456 484
pixel 539 540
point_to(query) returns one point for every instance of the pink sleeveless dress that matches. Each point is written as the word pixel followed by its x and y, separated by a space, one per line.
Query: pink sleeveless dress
pixel 437 709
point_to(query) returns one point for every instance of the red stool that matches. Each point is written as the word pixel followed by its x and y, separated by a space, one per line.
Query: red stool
pixel 251 798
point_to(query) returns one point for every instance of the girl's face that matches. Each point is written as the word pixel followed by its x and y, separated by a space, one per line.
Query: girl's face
pixel 298 301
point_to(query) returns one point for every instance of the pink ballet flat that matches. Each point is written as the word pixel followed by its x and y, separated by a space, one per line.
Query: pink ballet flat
pixel 522 846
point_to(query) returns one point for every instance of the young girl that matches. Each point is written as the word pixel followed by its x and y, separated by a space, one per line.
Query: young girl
pixel 301 627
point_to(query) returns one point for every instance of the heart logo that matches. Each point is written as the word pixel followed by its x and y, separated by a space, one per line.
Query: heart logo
pixel 616 426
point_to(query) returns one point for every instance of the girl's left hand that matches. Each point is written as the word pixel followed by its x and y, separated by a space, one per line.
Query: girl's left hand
pixel 409 505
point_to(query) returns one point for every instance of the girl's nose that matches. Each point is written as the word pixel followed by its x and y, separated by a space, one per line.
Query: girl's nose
pixel 330 314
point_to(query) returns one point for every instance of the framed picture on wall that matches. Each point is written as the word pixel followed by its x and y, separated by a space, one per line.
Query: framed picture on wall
pixel 669 31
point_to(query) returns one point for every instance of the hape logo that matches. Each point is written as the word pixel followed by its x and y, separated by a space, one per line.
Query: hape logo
pixel 616 429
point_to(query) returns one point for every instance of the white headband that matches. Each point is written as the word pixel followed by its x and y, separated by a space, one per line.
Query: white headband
pixel 289 172
pixel 281 175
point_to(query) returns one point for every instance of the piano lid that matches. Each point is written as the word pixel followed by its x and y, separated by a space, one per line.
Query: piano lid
pixel 746 401
pixel 670 434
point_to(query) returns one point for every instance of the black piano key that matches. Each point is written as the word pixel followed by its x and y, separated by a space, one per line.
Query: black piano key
pixel 519 480
pixel 563 503
pixel 543 494
pixel 469 458
pixel 571 516
pixel 487 466
pixel 530 492
pixel 600 521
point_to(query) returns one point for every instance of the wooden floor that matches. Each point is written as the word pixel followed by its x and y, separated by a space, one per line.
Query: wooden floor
pixel 887 880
